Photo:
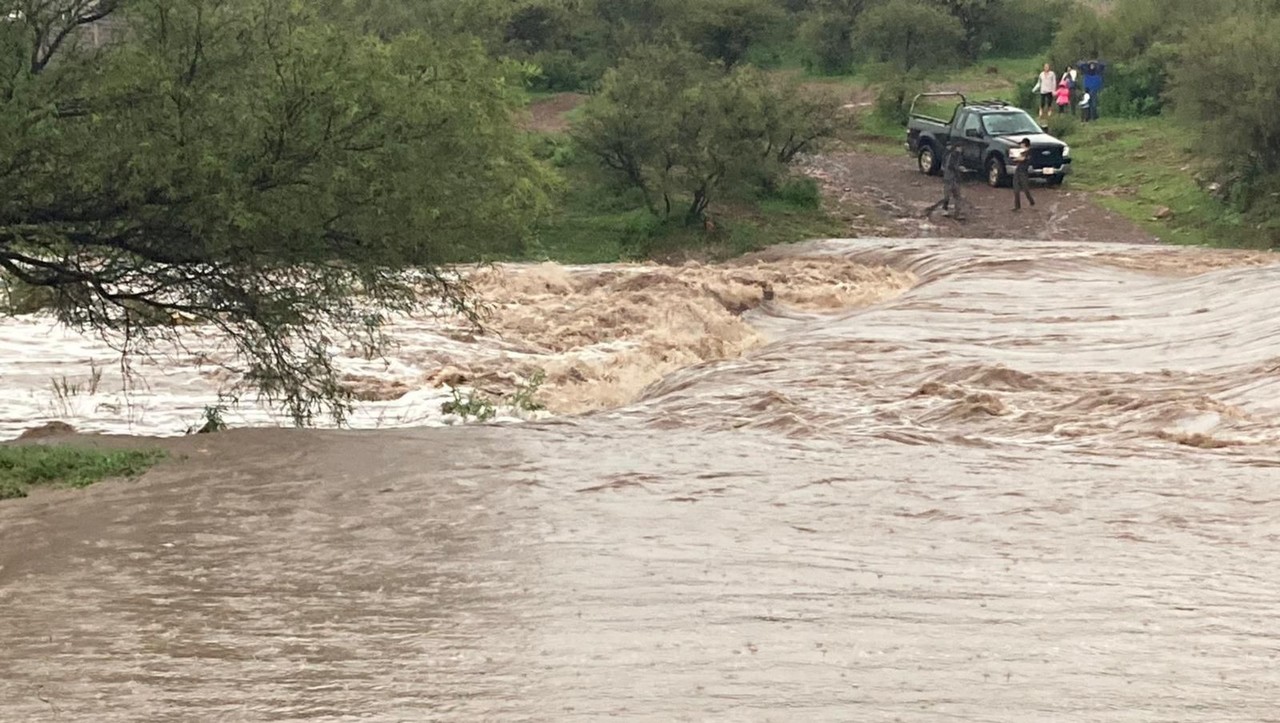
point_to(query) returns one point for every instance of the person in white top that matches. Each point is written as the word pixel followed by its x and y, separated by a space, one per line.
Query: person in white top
pixel 1046 86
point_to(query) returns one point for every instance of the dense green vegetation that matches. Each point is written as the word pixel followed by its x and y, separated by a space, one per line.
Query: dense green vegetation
pixel 293 172
pixel 25 466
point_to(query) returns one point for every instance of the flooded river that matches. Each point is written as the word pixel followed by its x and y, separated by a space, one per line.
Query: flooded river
pixel 1031 482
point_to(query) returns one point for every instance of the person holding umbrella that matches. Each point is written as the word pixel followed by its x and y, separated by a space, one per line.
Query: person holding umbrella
pixel 1092 71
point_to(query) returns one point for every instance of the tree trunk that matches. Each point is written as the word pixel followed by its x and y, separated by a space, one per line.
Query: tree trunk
pixel 697 207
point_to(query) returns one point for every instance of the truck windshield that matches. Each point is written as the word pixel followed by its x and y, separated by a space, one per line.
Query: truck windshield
pixel 1006 124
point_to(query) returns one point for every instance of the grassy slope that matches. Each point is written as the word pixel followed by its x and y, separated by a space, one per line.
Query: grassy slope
pixel 22 467
pixel 1139 166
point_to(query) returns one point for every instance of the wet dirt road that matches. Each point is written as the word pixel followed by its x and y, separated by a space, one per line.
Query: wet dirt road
pixel 885 195
pixel 1040 485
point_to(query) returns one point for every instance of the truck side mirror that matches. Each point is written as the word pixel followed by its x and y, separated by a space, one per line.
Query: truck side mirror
pixel 973 133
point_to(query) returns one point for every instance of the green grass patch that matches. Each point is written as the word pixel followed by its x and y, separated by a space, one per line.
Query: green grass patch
pixel 25 466
pixel 590 229
pixel 879 131
pixel 1009 73
pixel 1137 167
pixel 788 54
pixel 534 95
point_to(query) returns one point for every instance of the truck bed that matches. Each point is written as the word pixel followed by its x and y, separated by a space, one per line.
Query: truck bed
pixel 918 125
pixel 918 119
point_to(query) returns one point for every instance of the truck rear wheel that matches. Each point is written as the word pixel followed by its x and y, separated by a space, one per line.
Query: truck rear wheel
pixel 996 175
pixel 927 160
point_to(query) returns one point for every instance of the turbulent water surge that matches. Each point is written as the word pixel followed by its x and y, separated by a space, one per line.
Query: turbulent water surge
pixel 1035 481
pixel 596 336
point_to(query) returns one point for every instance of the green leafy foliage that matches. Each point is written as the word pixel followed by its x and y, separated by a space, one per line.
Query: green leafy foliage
pixel 910 36
pixel 1135 89
pixel 893 101
pixel 1225 84
pixel 907 39
pixel 1026 27
pixel 726 30
pixel 800 193
pixel 1061 125
pixel 250 166
pixel 474 405
pixel 525 396
pixel 1082 36
pixel 478 406
pixel 826 33
pixel 975 19
pixel 828 43
pixel 679 130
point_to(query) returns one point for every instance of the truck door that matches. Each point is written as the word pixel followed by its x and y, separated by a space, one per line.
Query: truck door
pixel 971 138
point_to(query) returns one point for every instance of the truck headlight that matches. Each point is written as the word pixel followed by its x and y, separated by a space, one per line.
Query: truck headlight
pixel 1066 151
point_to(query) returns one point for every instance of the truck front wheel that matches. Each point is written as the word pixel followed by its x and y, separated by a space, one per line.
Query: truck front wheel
pixel 927 160
pixel 996 175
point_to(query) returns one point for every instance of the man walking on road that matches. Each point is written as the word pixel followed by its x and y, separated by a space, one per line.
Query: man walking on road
pixel 1021 181
pixel 950 184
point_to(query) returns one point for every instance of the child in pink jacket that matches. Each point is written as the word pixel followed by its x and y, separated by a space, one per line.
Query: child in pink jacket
pixel 1063 97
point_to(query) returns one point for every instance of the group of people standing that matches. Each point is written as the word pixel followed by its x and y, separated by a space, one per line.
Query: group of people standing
pixel 1070 93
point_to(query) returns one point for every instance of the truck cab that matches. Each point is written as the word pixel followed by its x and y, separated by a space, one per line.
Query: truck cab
pixel 987 132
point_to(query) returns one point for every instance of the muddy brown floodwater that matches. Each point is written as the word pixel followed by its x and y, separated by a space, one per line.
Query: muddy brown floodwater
pixel 1043 484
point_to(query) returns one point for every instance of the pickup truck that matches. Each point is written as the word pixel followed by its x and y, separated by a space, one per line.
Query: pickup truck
pixel 986 131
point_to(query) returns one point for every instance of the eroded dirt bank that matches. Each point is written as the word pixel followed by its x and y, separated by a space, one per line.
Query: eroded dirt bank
pixel 1038 485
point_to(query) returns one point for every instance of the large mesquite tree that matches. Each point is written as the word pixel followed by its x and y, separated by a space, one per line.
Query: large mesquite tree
pixel 245 164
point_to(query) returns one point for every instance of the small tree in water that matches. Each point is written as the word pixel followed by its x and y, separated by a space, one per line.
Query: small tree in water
pixel 246 165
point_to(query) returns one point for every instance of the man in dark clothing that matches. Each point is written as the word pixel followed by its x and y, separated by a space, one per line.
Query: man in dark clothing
pixel 950 183
pixel 1021 181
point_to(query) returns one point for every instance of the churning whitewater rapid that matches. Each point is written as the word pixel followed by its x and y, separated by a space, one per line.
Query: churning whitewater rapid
pixel 595 336
pixel 985 481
